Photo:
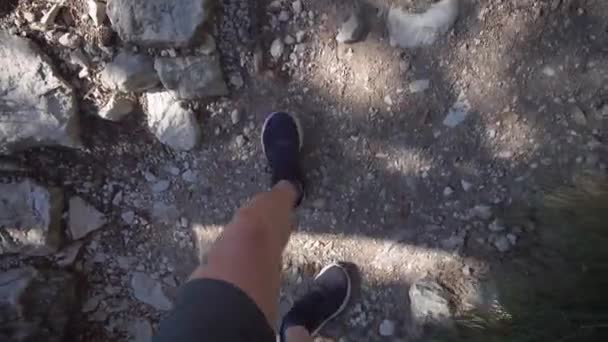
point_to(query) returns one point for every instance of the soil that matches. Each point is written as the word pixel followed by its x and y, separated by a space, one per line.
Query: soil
pixel 378 158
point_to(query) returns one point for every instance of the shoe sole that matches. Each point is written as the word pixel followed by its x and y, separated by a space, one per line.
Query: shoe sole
pixel 298 127
pixel 346 299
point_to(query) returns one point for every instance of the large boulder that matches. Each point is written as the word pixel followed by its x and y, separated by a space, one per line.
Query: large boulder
pixel 192 78
pixel 172 124
pixel 30 218
pixel 36 305
pixel 409 30
pixel 130 73
pixel 37 107
pixel 159 23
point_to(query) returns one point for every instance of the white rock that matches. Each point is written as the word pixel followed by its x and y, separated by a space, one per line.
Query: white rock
pixel 300 36
pixel 289 40
pixel 548 71
pixel 481 211
pixel 237 81
pixel 277 48
pixel 161 186
pixel 409 30
pixel 297 6
pixel 130 73
pixel 386 328
pixel 352 29
pixel 69 40
pixel 37 107
pixel 189 176
pixel 30 218
pixel 466 186
pixel 458 112
pixel 496 226
pixel 149 291
pixel 283 16
pixel 388 100
pixel 128 217
pixel 49 17
pixel 235 116
pixel 83 218
pixel 97 11
pixel 156 23
pixel 192 77
pixel 171 123
pixel 117 107
pixel 208 46
pixel 419 86
pixel 429 302
pixel 447 191
pixel 502 244
pixel 512 239
pixel 239 140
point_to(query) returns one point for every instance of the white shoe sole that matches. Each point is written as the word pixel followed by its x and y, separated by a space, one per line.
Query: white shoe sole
pixel 346 299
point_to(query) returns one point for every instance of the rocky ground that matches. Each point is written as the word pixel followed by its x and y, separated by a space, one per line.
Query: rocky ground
pixel 130 135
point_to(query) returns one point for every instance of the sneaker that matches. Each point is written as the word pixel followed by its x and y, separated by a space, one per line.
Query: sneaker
pixel 282 140
pixel 327 298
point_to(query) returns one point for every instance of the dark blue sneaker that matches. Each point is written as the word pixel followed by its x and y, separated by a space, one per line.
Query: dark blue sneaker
pixel 327 298
pixel 282 140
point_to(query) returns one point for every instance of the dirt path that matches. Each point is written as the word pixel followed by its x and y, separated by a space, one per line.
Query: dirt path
pixel 390 187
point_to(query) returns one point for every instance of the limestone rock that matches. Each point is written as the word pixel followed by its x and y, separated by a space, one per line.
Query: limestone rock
pixel 354 28
pixel 159 23
pixel 458 112
pixel 36 305
pixel 97 11
pixel 172 124
pixel 30 218
pixel 117 107
pixel 149 291
pixel 37 107
pixel 409 30
pixel 83 218
pixel 429 302
pixel 192 77
pixel 130 73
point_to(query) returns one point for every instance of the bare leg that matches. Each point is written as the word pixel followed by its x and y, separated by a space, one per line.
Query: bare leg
pixel 298 334
pixel 248 253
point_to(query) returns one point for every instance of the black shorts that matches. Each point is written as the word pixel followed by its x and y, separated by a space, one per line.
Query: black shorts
pixel 209 310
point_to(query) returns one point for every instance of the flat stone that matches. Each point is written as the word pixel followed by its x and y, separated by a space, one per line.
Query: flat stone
pixel 429 302
pixel 482 211
pixel 130 73
pixel 496 226
pixel 37 304
pixel 172 124
pixel 50 16
pixel 37 107
pixel 158 23
pixel 30 218
pixel 117 107
pixel 83 218
pixel 277 48
pixel 353 29
pixel 192 77
pixel 386 328
pixel 128 217
pixel 458 112
pixel 70 40
pixel 408 30
pixel 149 291
pixel 419 86
pixel 578 116
pixel 161 186
pixel 502 244
pixel 96 11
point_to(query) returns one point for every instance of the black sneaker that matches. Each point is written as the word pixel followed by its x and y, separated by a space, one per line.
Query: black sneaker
pixel 327 298
pixel 282 140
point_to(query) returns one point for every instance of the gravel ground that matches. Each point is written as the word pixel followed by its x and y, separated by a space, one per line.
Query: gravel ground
pixel 390 187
